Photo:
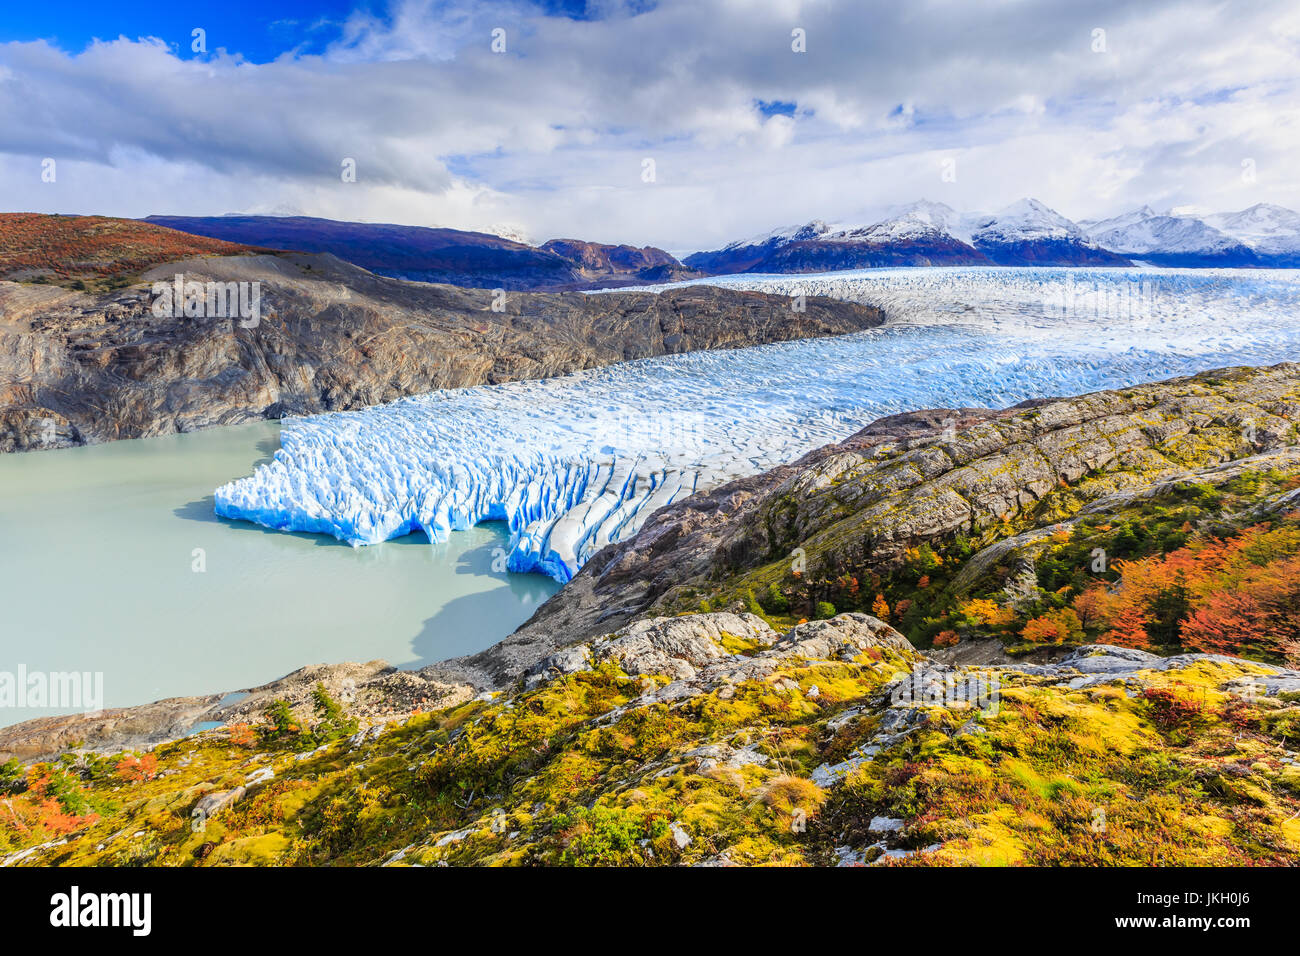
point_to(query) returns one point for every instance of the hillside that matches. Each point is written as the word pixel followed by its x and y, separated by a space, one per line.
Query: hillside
pixel 93 251
pixel 81 368
pixel 453 256
pixel 715 740
pixel 862 518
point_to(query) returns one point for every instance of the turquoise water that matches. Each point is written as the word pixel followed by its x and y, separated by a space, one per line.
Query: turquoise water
pixel 112 562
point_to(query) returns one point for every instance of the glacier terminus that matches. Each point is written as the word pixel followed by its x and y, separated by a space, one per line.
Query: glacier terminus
pixel 573 463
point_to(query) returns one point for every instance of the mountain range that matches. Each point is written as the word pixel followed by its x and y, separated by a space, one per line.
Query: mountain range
pixel 1027 232
pixel 923 233
pixel 452 256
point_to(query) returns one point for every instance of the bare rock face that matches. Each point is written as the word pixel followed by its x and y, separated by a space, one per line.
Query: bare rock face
pixel 80 368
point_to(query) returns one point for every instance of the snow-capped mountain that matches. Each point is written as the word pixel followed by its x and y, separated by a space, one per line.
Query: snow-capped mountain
pixel 1025 233
pixel 1273 232
pixel 1024 220
pixel 1094 226
pixel 1263 235
pixel 921 220
pixel 1170 240
pixel 920 234
pixel 1030 233
pixel 745 255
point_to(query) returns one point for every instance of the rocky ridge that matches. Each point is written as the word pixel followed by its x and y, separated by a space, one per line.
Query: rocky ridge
pixel 912 479
pixel 79 367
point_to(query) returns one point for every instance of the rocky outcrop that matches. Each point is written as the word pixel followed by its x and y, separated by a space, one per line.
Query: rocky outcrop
pixel 81 367
pixel 692 650
pixel 371 692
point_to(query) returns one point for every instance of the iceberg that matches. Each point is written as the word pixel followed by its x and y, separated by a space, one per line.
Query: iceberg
pixel 574 463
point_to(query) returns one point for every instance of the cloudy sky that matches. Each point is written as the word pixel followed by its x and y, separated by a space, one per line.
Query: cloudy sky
pixel 1094 108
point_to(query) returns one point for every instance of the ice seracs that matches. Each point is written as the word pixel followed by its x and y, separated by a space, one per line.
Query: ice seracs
pixel 574 463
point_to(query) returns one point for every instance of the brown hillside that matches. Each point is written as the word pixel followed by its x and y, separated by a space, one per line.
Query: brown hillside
pixel 99 249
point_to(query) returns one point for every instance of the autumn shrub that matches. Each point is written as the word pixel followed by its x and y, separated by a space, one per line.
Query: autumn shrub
pixel 946 639
pixel 241 734
pixel 775 602
pixel 1054 627
pixel 1175 711
pixel 135 769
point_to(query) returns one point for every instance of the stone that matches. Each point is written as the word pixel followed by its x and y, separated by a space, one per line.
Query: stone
pixel 681 838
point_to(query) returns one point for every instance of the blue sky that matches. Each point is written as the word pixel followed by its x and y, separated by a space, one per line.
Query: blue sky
pixel 550 132
pixel 259 31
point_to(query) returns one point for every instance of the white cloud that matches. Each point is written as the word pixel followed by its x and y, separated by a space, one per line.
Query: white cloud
pixel 551 134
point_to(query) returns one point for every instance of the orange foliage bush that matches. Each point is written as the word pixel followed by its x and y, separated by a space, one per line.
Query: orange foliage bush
pixel 946 639
pixel 137 769
pixel 1223 596
pixel 1054 627
pixel 242 735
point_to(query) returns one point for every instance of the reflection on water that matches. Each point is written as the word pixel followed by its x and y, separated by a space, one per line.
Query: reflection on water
pixel 112 561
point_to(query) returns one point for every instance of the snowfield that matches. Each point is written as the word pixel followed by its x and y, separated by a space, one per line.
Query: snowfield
pixel 576 462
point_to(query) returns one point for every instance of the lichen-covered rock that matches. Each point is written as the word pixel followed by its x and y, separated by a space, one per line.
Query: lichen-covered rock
pixel 679 647
pixel 846 636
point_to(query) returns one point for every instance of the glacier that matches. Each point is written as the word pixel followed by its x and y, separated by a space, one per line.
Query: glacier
pixel 576 462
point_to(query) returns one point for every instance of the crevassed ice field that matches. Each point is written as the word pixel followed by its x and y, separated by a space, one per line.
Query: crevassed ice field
pixel 576 462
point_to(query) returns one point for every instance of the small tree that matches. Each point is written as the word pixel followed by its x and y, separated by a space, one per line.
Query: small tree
pixel 880 607
pixel 774 602
pixel 280 722
pixel 13 777
pixel 331 723
pixel 946 639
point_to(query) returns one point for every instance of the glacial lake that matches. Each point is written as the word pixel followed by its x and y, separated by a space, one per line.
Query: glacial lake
pixel 98 573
